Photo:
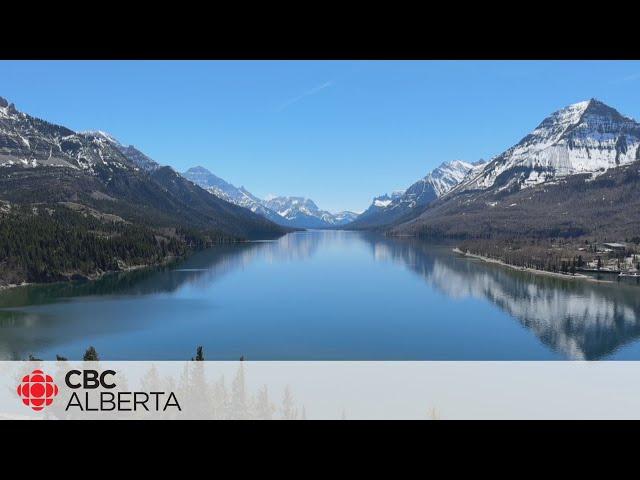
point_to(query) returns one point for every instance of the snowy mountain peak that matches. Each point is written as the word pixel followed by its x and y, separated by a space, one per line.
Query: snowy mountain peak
pixel 303 212
pixel 199 170
pixel 135 156
pixel 290 207
pixel 30 142
pixel 585 137
pixel 7 109
pixel 447 175
pixel 387 209
pixel 99 134
pixel 298 212
pixel 204 178
pixel 385 200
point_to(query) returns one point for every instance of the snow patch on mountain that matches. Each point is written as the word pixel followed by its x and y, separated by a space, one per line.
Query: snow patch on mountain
pixel 386 209
pixel 382 203
pixel 303 212
pixel 586 137
pixel 288 211
pixel 30 142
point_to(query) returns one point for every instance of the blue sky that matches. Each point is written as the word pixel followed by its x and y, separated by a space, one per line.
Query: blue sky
pixel 339 132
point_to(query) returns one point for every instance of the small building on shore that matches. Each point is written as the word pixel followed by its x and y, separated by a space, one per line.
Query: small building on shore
pixel 616 247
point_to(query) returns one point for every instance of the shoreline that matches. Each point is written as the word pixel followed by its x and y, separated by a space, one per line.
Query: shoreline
pixel 577 276
pixel 97 276
pixel 94 276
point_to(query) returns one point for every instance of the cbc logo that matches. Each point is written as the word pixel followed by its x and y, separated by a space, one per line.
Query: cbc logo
pixel 37 390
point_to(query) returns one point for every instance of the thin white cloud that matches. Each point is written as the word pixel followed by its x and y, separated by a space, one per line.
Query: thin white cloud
pixel 306 94
pixel 631 78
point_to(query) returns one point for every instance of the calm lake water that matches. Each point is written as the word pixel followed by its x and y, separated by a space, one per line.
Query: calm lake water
pixel 325 295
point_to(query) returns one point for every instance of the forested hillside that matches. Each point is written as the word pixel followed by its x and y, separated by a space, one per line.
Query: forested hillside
pixel 43 244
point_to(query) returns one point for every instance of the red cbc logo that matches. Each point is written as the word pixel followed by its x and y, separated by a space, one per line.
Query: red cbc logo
pixel 37 390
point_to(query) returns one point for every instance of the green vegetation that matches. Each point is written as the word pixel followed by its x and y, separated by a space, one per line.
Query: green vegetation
pixel 558 255
pixel 44 244
pixel 91 355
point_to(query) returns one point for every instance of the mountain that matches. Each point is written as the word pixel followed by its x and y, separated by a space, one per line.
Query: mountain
pixel 576 174
pixel 304 213
pixel 344 217
pixel 296 212
pixel 387 209
pixel 589 320
pixel 135 156
pixel 586 137
pixel 75 176
pixel 238 196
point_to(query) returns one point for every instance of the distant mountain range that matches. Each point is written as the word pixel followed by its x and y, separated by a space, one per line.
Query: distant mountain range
pixel 296 212
pixel 388 209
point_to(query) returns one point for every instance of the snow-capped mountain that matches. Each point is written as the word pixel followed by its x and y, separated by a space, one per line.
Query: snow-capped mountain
pixel 224 190
pixel 389 208
pixel 45 163
pixel 576 174
pixel 443 179
pixel 304 213
pixel 344 217
pixel 287 211
pixel 31 142
pixel 384 201
pixel 586 137
pixel 138 158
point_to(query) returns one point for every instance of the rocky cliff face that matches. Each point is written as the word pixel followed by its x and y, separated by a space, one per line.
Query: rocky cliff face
pixel 586 137
pixel 575 175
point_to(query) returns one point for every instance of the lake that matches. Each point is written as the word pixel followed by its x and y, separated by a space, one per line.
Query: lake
pixel 324 295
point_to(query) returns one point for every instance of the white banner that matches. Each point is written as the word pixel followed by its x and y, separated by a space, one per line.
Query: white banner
pixel 319 390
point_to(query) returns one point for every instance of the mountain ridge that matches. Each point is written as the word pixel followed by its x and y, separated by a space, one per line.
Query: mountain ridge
pixel 92 166
pixel 388 209
pixel 584 137
pixel 558 180
pixel 294 212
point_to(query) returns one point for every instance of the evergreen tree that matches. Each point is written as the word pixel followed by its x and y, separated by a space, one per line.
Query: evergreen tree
pixel 90 355
pixel 199 354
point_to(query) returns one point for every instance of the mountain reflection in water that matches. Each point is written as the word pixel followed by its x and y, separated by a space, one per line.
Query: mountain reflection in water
pixel 580 319
pixel 324 295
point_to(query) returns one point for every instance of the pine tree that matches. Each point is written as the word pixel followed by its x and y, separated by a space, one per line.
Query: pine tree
pixel 199 354
pixel 90 355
